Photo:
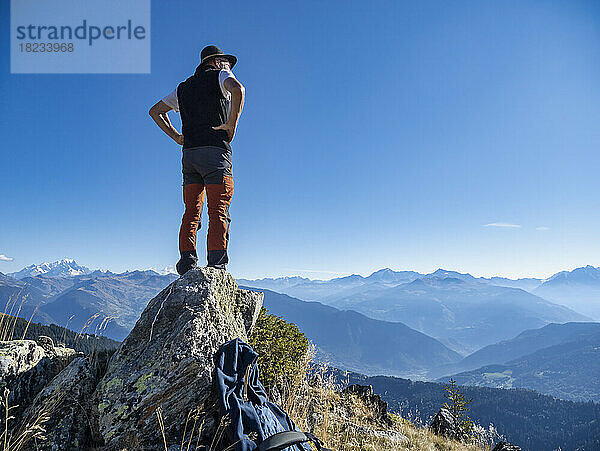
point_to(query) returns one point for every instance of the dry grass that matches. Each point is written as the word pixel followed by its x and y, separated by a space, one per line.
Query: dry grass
pixel 186 442
pixel 32 429
pixel 344 422
pixel 8 318
pixel 161 424
pixel 16 439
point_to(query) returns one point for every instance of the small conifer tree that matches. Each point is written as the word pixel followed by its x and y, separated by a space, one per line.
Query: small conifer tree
pixel 458 405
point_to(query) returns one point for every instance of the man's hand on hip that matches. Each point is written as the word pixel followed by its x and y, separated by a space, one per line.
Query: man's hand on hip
pixel 158 113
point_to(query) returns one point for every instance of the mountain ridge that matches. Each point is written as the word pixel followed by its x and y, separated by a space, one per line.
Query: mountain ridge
pixel 353 341
pixel 525 343
pixel 566 371
pixel 63 267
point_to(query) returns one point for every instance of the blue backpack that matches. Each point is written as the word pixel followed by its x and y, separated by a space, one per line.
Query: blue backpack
pixel 241 395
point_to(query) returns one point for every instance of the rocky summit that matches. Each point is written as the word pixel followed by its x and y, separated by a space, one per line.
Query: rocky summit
pixel 159 378
pixel 166 361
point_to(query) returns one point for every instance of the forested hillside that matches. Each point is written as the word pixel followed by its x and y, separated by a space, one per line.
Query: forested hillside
pixel 531 420
pixel 18 328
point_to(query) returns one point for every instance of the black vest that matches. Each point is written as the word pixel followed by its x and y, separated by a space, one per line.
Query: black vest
pixel 202 107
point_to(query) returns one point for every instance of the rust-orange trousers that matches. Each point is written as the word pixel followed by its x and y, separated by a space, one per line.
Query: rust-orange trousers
pixel 216 184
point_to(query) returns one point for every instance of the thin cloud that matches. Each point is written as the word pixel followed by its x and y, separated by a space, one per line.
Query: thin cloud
pixel 4 258
pixel 542 228
pixel 507 225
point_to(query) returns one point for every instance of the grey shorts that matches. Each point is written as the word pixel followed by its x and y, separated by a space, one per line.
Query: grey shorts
pixel 206 165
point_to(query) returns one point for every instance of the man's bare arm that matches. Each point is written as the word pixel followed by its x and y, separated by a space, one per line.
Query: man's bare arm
pixel 159 114
pixel 238 94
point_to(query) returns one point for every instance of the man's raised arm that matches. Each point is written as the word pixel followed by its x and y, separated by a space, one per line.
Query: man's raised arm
pixel 159 114
pixel 238 94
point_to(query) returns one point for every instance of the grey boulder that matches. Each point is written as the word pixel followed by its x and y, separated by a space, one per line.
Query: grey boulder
pixel 163 369
pixel 26 367
pixel 64 406
pixel 444 423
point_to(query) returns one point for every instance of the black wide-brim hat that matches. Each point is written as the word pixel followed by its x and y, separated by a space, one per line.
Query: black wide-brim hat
pixel 212 50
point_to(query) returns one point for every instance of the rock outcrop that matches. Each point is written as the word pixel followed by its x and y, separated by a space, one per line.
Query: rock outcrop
pixel 156 391
pixel 70 422
pixel 444 423
pixel 26 367
pixel 164 367
pixel 379 407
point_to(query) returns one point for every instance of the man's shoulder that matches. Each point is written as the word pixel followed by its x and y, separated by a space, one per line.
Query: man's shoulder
pixel 198 74
pixel 187 82
pixel 224 74
pixel 197 77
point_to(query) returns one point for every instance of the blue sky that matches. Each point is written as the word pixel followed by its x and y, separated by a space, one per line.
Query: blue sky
pixel 410 135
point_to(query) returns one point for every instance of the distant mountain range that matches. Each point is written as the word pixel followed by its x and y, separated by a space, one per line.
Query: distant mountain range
pixel 578 289
pixel 463 312
pixel 397 323
pixel 525 343
pixel 350 340
pixel 73 296
pixel 320 290
pixel 61 268
pixel 20 299
pixel 120 297
pixel 561 360
pixel 110 304
pixel 464 315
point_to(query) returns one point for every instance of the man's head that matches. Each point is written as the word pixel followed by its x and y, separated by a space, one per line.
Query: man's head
pixel 212 55
pixel 218 62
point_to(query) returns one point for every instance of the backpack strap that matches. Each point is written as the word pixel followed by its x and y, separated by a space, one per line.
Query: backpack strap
pixel 284 439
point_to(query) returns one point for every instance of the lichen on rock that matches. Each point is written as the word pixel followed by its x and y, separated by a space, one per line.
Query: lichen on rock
pixel 65 400
pixel 167 359
pixel 26 368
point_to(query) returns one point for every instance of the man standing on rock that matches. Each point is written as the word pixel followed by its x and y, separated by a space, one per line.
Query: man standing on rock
pixel 210 103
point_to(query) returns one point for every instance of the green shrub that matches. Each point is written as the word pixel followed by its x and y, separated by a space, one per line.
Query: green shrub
pixel 282 350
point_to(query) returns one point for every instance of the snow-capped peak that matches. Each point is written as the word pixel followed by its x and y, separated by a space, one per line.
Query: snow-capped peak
pixel 66 267
pixel 165 271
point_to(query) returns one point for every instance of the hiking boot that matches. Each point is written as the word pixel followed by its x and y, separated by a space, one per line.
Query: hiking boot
pixel 188 260
pixel 217 258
